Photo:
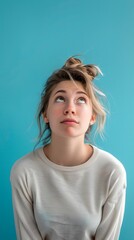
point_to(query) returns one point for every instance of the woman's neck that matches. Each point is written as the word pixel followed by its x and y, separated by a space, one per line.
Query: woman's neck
pixel 68 152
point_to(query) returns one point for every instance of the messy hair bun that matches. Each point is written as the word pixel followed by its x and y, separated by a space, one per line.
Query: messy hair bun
pixel 73 70
pixel 76 64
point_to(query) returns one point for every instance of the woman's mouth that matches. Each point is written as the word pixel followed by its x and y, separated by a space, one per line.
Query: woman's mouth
pixel 69 121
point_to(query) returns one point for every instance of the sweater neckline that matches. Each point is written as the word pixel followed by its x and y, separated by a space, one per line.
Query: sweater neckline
pixel 51 164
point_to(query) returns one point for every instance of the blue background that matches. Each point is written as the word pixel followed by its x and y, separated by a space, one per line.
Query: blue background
pixel 36 37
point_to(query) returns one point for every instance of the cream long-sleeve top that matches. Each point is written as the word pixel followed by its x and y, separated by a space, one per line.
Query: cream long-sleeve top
pixel 54 202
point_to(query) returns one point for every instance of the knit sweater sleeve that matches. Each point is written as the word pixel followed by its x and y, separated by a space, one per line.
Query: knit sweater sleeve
pixel 113 209
pixel 26 227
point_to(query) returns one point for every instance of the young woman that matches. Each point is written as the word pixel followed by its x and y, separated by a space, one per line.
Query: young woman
pixel 68 189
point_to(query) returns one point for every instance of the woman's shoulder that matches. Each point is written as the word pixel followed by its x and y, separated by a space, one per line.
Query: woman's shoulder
pixel 111 168
pixel 108 161
pixel 24 164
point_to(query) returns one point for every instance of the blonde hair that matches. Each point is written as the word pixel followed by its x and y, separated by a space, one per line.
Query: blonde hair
pixel 76 71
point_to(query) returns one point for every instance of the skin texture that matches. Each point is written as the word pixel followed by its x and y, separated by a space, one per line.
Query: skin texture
pixel 69 115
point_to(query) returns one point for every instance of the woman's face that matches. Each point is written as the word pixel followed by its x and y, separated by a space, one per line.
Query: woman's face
pixel 69 111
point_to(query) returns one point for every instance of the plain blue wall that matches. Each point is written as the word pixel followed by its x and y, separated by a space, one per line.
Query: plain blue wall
pixel 36 37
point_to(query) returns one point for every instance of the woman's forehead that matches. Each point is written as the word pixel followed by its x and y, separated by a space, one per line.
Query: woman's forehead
pixel 69 85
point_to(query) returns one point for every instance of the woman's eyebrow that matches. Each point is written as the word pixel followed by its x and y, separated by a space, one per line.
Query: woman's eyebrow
pixel 63 91
pixel 81 92
pixel 60 91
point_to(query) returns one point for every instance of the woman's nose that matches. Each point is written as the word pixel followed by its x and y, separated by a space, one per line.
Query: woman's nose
pixel 69 109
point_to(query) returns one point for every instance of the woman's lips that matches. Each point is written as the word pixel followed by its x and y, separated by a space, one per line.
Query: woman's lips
pixel 69 121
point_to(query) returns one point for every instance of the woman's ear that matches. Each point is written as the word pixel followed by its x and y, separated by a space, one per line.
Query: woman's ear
pixel 93 119
pixel 45 117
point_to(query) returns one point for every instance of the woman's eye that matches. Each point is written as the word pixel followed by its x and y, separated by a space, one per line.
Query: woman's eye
pixel 60 99
pixel 81 100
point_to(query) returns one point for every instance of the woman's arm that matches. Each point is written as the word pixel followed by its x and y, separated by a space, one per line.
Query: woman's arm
pixel 26 227
pixel 113 209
